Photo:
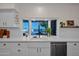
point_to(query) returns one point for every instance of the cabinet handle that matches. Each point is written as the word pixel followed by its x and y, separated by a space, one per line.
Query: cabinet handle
pixel 19 50
pixel 75 44
pixel 37 49
pixel 19 44
pixel 3 23
pixel 4 44
pixel 40 49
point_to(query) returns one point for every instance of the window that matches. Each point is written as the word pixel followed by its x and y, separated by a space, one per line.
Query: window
pixel 53 27
pixel 35 25
pixel 26 26
pixel 43 27
pixel 39 27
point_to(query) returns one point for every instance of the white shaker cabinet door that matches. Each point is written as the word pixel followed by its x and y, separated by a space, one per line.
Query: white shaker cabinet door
pixel 73 49
pixel 8 19
pixel 11 23
pixel 39 49
pixel 33 51
pixel 5 49
pixel 44 51
pixel 1 20
pixel 18 52
pixel 1 23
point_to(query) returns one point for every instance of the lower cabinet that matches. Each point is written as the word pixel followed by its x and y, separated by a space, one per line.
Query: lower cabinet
pixel 38 51
pixel 5 49
pixel 18 49
pixel 73 49
pixel 24 49
pixel 45 51
pixel 32 51
pixel 18 52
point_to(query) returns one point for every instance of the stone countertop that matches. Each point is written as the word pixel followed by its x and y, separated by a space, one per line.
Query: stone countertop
pixel 43 39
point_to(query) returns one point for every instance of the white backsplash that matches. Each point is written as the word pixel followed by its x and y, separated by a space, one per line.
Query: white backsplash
pixel 69 33
pixel 15 32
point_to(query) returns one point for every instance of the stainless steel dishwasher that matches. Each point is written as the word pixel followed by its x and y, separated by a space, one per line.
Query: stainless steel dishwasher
pixel 58 49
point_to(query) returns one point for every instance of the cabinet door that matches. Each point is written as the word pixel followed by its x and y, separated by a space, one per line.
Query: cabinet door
pixel 5 49
pixel 10 23
pixel 39 48
pixel 1 22
pixel 8 19
pixel 44 51
pixel 11 20
pixel 19 49
pixel 73 49
pixel 33 51
pixel 18 52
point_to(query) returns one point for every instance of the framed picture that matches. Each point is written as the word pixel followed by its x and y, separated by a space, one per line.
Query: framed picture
pixel 70 22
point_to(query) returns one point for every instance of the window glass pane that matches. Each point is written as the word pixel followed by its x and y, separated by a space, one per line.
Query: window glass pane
pixel 43 27
pixel 26 25
pixel 53 27
pixel 35 25
pixel 39 27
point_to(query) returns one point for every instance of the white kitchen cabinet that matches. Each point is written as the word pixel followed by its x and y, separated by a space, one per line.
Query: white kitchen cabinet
pixel 8 19
pixel 39 49
pixel 18 49
pixel 73 49
pixel 32 51
pixel 11 23
pixel 44 51
pixel 24 49
pixel 1 22
pixel 5 49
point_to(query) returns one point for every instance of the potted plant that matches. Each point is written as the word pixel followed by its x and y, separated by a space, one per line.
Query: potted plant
pixel 48 30
pixel 62 24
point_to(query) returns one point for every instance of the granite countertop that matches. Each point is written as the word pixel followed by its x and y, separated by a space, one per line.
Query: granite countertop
pixel 43 39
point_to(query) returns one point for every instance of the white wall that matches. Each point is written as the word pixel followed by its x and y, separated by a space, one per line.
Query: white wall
pixel 69 33
pixel 53 10
pixel 62 11
pixel 7 5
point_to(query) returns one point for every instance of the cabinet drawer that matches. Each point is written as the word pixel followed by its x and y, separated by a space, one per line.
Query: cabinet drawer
pixel 39 44
pixel 4 49
pixel 4 52
pixel 4 45
pixel 73 49
pixel 19 45
pixel 19 52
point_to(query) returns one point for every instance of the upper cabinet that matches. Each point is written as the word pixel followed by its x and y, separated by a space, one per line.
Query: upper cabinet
pixel 8 18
